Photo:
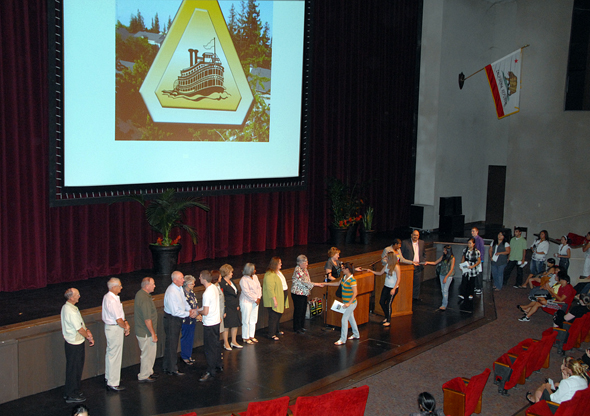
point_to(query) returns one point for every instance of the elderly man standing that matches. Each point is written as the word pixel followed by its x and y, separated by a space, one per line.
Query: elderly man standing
pixel 414 250
pixel 176 308
pixel 116 328
pixel 74 332
pixel 146 325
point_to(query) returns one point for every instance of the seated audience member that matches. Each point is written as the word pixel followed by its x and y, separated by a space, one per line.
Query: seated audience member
pixel 572 371
pixel 563 298
pixel 80 410
pixel 585 277
pixel 427 406
pixel 575 312
pixel 548 275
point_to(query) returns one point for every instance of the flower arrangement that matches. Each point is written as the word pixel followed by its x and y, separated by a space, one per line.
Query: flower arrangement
pixel 345 204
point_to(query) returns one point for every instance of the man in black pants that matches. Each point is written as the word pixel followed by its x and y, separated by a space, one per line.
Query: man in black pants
pixel 211 321
pixel 176 308
pixel 74 332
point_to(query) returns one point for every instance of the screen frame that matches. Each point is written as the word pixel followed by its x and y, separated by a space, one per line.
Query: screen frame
pixel 61 195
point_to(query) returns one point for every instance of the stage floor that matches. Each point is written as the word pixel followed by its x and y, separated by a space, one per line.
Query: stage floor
pixel 296 365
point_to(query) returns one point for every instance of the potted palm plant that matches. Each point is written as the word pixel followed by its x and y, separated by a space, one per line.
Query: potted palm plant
pixel 163 214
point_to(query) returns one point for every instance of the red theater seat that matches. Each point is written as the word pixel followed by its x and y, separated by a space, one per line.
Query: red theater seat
pixel 337 403
pixel 462 396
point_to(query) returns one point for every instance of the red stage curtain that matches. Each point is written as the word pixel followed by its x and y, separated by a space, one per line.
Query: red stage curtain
pixel 364 100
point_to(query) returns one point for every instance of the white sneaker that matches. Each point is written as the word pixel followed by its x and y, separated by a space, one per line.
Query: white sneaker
pixel 525 319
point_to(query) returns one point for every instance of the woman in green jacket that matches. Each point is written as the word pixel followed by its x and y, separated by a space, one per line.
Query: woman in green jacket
pixel 275 296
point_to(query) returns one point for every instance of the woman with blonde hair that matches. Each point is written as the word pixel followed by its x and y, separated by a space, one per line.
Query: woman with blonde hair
pixel 572 371
pixel 333 265
pixel 231 294
pixel 392 278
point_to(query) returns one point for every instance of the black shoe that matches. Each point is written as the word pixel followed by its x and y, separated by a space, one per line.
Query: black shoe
pixel 75 399
pixel 206 377
pixel 155 375
pixel 115 388
pixel 147 380
pixel 300 331
pixel 527 397
pixel 174 373
pixel 220 369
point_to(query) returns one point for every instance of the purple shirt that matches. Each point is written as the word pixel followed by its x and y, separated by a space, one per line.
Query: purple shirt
pixel 479 245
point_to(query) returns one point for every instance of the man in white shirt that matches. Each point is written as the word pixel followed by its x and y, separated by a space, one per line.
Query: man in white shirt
pixel 74 332
pixel 176 308
pixel 211 320
pixel 116 328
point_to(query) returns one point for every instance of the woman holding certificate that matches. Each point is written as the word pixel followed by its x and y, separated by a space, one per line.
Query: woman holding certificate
pixel 349 294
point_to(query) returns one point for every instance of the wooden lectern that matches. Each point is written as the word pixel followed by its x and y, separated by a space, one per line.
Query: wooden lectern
pixel 365 283
pixel 402 304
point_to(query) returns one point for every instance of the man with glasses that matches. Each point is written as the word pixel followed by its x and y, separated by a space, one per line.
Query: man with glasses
pixel 413 250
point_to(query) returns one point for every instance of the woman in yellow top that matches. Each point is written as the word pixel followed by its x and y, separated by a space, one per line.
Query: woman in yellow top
pixel 275 296
pixel 349 294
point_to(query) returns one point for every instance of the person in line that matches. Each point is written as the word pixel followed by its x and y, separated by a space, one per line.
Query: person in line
pixel 413 249
pixel 300 289
pixel 231 321
pixel 445 270
pixel 540 248
pixel 583 285
pixel 472 256
pixel 275 296
pixel 333 265
pixel 563 298
pixel 564 253
pixel 74 332
pixel 479 244
pixel 176 308
pixel 572 372
pixel 116 328
pixel 392 273
pixel 211 314
pixel 499 252
pixel 394 248
pixel 349 294
pixel 215 279
pixel 427 406
pixel 187 331
pixel 146 330
pixel 249 302
pixel 516 258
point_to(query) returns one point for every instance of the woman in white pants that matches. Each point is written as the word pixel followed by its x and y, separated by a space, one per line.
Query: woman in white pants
pixel 249 301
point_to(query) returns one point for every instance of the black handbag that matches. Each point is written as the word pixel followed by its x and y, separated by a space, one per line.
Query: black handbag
pixel 339 291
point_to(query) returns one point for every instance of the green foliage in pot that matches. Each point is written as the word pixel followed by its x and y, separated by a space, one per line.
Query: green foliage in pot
pixel 166 212
pixel 368 219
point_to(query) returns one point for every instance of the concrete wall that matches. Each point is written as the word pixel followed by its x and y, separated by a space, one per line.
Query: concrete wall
pixel 544 148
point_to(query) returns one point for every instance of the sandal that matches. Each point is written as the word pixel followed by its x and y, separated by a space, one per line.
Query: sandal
pixel 187 362
pixel 339 343
pixel 274 338
pixel 253 339
pixel 281 333
pixel 248 341
pixel 442 309
pixel 386 323
pixel 383 321
pixel 353 337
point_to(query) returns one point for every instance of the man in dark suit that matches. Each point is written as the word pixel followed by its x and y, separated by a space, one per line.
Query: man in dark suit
pixel 413 249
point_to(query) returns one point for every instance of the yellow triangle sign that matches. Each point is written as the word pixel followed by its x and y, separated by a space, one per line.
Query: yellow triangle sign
pixel 196 76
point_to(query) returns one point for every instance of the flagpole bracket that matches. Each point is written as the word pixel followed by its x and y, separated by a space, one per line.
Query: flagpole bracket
pixel 461 80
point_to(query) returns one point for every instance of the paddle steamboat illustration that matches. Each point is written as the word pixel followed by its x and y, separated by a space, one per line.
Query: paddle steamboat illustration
pixel 202 78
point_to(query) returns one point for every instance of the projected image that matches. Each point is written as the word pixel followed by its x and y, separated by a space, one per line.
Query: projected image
pixel 193 70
